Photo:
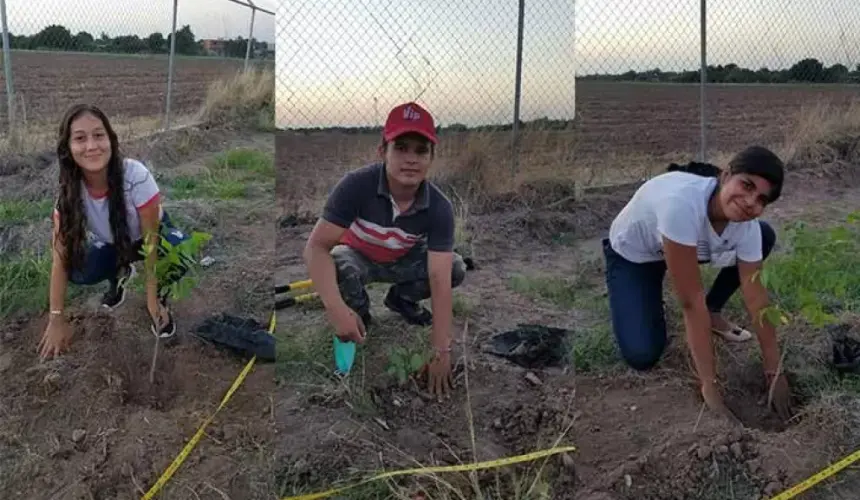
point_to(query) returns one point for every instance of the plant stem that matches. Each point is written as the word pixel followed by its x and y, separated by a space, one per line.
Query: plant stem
pixel 154 360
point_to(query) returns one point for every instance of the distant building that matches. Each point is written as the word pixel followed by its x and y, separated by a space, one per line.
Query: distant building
pixel 214 47
pixel 218 48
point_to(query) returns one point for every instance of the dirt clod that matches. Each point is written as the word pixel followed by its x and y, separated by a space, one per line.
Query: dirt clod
pixel 533 379
pixel 772 488
pixel 51 378
pixel 78 435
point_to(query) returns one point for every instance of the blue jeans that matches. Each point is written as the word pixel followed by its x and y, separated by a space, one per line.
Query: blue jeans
pixel 636 301
pixel 100 263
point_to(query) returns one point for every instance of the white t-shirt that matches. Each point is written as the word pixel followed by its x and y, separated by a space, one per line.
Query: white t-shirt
pixel 140 190
pixel 675 205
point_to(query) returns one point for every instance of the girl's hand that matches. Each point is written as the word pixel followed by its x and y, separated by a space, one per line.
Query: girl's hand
pixel 56 339
pixel 779 396
pixel 714 401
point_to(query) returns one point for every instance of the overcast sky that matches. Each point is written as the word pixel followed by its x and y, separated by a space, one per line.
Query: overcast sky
pixel 348 66
pixel 208 18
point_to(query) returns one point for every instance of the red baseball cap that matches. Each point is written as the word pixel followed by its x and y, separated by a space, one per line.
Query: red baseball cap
pixel 406 118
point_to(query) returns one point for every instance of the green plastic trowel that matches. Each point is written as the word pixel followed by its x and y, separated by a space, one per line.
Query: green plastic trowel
pixel 344 355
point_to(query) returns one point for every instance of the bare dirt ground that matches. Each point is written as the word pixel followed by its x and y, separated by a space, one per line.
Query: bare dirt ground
pixel 47 83
pixel 535 240
pixel 622 131
pixel 89 424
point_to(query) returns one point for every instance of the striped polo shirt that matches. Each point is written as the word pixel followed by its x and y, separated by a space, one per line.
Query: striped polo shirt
pixel 362 204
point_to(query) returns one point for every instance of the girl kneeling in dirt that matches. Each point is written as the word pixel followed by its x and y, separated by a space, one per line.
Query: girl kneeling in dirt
pixel 695 214
pixel 105 206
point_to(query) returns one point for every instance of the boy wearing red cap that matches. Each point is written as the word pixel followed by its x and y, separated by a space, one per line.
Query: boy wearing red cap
pixel 387 223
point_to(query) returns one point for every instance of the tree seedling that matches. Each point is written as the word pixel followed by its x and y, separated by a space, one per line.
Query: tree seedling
pixel 404 363
pixel 170 257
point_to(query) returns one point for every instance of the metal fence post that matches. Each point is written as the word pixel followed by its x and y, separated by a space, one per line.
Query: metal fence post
pixel 170 66
pixel 518 88
pixel 7 69
pixel 703 80
pixel 250 36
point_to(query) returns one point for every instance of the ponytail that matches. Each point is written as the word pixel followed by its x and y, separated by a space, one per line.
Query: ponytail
pixel 697 168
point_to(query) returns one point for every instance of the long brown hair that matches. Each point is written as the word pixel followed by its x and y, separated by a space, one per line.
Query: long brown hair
pixel 70 205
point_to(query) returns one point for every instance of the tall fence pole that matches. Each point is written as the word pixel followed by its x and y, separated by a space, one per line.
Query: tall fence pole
pixel 250 37
pixel 7 70
pixel 170 66
pixel 518 89
pixel 703 80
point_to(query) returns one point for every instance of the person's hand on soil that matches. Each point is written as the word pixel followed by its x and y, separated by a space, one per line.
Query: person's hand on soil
pixel 714 401
pixel 56 338
pixel 439 376
pixel 348 325
pixel 780 396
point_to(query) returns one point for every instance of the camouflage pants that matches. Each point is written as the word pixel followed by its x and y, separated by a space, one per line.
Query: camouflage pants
pixel 408 275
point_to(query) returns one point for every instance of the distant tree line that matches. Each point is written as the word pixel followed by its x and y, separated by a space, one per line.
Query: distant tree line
pixel 60 38
pixel 808 70
pixel 538 124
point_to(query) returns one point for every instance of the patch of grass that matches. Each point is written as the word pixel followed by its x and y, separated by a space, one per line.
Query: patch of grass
pixel 229 175
pixel 186 187
pixel 558 291
pixel 24 281
pixel 302 351
pixel 245 159
pixel 818 276
pixel 593 348
pixel 24 211
pixel 305 359
pixel 462 307
pixel 815 284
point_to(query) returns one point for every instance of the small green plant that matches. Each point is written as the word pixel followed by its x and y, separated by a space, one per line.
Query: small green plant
pixel 171 256
pixel 404 362
pixel 461 306
pixel 818 277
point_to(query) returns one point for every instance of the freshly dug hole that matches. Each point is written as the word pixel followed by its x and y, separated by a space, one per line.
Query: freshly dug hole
pixel 746 394
pixel 115 366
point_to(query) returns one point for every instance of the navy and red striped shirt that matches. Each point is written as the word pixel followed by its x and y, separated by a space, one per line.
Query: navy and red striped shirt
pixel 362 204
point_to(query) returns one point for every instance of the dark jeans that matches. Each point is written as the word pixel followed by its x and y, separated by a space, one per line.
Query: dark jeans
pixel 636 301
pixel 408 275
pixel 100 263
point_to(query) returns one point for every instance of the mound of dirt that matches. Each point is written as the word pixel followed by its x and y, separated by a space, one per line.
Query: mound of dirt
pixel 701 470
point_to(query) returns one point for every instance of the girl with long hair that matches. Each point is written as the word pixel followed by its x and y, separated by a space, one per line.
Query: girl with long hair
pixel 693 214
pixel 106 207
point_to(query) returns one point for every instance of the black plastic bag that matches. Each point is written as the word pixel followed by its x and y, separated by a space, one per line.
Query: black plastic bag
pixel 532 346
pixel 243 336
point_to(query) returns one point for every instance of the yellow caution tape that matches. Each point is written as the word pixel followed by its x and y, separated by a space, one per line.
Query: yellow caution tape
pixel 817 478
pixel 168 473
pixel 489 464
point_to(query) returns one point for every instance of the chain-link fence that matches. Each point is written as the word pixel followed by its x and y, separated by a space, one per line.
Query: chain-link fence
pixel 619 80
pixel 147 64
